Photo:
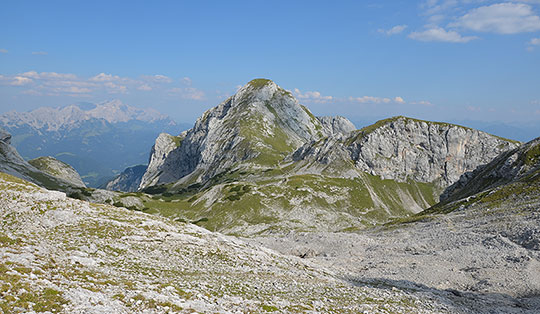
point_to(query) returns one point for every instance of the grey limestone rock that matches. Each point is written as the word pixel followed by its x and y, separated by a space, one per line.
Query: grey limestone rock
pixel 129 180
pixel 59 169
pixel 404 149
pixel 260 120
pixel 336 125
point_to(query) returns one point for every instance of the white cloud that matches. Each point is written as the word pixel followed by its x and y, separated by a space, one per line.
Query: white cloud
pixel 500 18
pixel 187 81
pixel 394 30
pixel 158 78
pixel 312 95
pixel 440 34
pixel 39 53
pixel 3 51
pixel 534 42
pixel 377 100
pixel 20 80
pixel 115 88
pixel 102 77
pixel 422 102
pixel 67 84
pixel 187 93
pixel 193 93
pixel 144 87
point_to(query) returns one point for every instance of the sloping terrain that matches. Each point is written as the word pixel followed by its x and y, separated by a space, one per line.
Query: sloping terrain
pixel 63 255
pixel 12 163
pixel 59 169
pixel 482 243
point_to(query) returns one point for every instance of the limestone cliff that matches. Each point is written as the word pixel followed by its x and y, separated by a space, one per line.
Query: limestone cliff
pixel 256 128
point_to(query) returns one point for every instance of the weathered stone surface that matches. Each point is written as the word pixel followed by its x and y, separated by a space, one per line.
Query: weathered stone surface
pixel 336 125
pixel 404 149
pixel 261 120
pixel 129 180
pixel 165 144
pixel 511 166
pixel 59 169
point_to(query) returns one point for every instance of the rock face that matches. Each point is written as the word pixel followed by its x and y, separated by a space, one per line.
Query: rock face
pixel 336 125
pixel 56 168
pixel 255 128
pixel 404 149
pixel 156 170
pixel 98 140
pixel 12 163
pixel 521 164
pixel 128 181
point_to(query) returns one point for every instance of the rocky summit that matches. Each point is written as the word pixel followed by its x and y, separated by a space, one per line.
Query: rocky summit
pixel 261 162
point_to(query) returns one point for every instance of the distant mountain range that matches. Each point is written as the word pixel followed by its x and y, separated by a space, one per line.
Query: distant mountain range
pixel 98 140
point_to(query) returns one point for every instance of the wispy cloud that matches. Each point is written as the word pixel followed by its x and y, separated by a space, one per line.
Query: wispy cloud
pixel 500 18
pixel 377 100
pixel 440 34
pixel 311 95
pixel 67 84
pixel 394 30
pixel 187 93
pixel 39 53
pixel 3 50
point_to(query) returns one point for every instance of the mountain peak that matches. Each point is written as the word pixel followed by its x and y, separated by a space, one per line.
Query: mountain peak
pixel 259 82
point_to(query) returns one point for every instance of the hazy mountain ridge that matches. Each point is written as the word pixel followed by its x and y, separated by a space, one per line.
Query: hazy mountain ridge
pixel 98 140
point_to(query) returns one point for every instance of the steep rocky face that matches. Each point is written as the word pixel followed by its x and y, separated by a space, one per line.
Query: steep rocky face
pixel 519 166
pixel 336 125
pixel 128 181
pixel 255 128
pixel 156 170
pixel 404 149
pixel 56 168
pixel 12 163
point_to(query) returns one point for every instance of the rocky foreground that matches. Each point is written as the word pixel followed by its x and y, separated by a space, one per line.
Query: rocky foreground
pixel 64 255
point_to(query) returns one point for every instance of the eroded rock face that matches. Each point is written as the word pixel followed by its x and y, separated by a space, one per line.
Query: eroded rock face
pixel 519 164
pixel 165 144
pixel 257 127
pixel 59 169
pixel 336 125
pixel 404 149
pixel 129 180
pixel 412 149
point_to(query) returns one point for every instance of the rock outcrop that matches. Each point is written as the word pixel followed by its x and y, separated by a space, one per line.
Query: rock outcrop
pixel 59 169
pixel 128 181
pixel 255 128
pixel 12 163
pixel 519 165
pixel 404 149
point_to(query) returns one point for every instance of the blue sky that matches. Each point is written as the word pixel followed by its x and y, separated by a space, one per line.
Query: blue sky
pixel 447 60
